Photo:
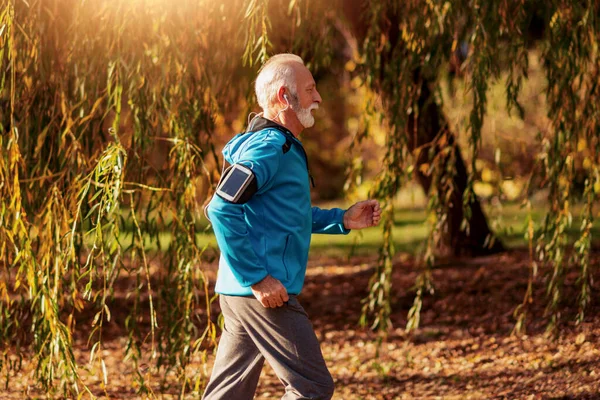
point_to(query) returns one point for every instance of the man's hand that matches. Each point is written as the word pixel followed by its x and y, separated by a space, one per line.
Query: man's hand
pixel 270 292
pixel 362 215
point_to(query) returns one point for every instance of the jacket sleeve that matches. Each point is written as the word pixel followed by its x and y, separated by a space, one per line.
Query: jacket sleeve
pixel 328 221
pixel 229 219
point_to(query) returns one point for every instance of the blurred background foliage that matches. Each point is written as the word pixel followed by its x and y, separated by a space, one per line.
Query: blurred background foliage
pixel 113 113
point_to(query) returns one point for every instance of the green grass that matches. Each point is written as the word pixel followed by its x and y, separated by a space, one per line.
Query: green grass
pixel 409 233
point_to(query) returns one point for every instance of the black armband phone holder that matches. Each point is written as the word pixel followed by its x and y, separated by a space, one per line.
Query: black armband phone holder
pixel 237 185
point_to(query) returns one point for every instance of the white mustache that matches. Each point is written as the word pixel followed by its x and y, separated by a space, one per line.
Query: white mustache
pixel 314 106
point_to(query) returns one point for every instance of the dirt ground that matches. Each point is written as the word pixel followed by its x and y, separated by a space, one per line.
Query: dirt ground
pixel 463 350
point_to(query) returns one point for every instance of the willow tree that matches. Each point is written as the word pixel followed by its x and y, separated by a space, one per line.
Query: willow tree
pixel 401 49
pixel 107 111
pixel 406 46
pixel 93 92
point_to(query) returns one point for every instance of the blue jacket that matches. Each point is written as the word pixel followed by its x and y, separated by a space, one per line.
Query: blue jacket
pixel 270 234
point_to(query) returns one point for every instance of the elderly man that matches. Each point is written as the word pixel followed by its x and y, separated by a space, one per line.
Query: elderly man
pixel 263 220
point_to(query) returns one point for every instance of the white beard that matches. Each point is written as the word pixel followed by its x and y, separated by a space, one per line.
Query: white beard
pixel 304 114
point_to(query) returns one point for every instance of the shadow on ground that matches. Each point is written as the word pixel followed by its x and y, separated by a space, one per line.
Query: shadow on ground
pixel 463 349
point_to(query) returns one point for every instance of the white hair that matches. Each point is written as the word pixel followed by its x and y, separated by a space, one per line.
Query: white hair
pixel 275 73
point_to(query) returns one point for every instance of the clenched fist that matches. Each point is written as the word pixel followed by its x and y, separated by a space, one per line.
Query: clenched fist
pixel 270 292
pixel 362 215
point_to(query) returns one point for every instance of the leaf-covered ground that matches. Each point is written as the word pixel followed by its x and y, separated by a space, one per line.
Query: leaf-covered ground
pixel 463 350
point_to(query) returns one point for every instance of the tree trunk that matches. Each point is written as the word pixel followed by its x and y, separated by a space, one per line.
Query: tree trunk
pixel 430 123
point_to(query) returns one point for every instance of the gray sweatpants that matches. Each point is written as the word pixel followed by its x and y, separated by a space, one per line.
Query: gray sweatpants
pixel 284 336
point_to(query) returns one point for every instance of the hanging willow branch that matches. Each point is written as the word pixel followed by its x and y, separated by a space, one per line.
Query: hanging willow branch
pixel 404 50
pixel 107 115
pixel 108 120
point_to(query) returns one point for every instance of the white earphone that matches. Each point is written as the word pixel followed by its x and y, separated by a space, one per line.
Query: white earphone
pixel 286 107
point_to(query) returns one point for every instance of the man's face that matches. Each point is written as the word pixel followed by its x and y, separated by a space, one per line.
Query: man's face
pixel 307 97
pixel 306 87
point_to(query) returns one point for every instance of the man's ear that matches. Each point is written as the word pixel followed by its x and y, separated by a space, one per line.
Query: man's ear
pixel 282 97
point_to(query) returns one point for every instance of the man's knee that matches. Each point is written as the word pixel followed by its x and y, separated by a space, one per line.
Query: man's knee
pixel 330 389
pixel 326 388
pixel 321 389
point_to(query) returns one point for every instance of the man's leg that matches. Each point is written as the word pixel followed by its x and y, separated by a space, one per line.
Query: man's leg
pixel 237 365
pixel 286 338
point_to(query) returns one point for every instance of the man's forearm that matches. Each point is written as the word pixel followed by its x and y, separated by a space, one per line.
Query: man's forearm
pixel 328 221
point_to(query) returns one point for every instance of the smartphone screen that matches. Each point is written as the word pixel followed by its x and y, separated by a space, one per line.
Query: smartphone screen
pixel 234 181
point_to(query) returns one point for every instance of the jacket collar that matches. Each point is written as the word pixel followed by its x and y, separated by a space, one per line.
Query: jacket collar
pixel 259 123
